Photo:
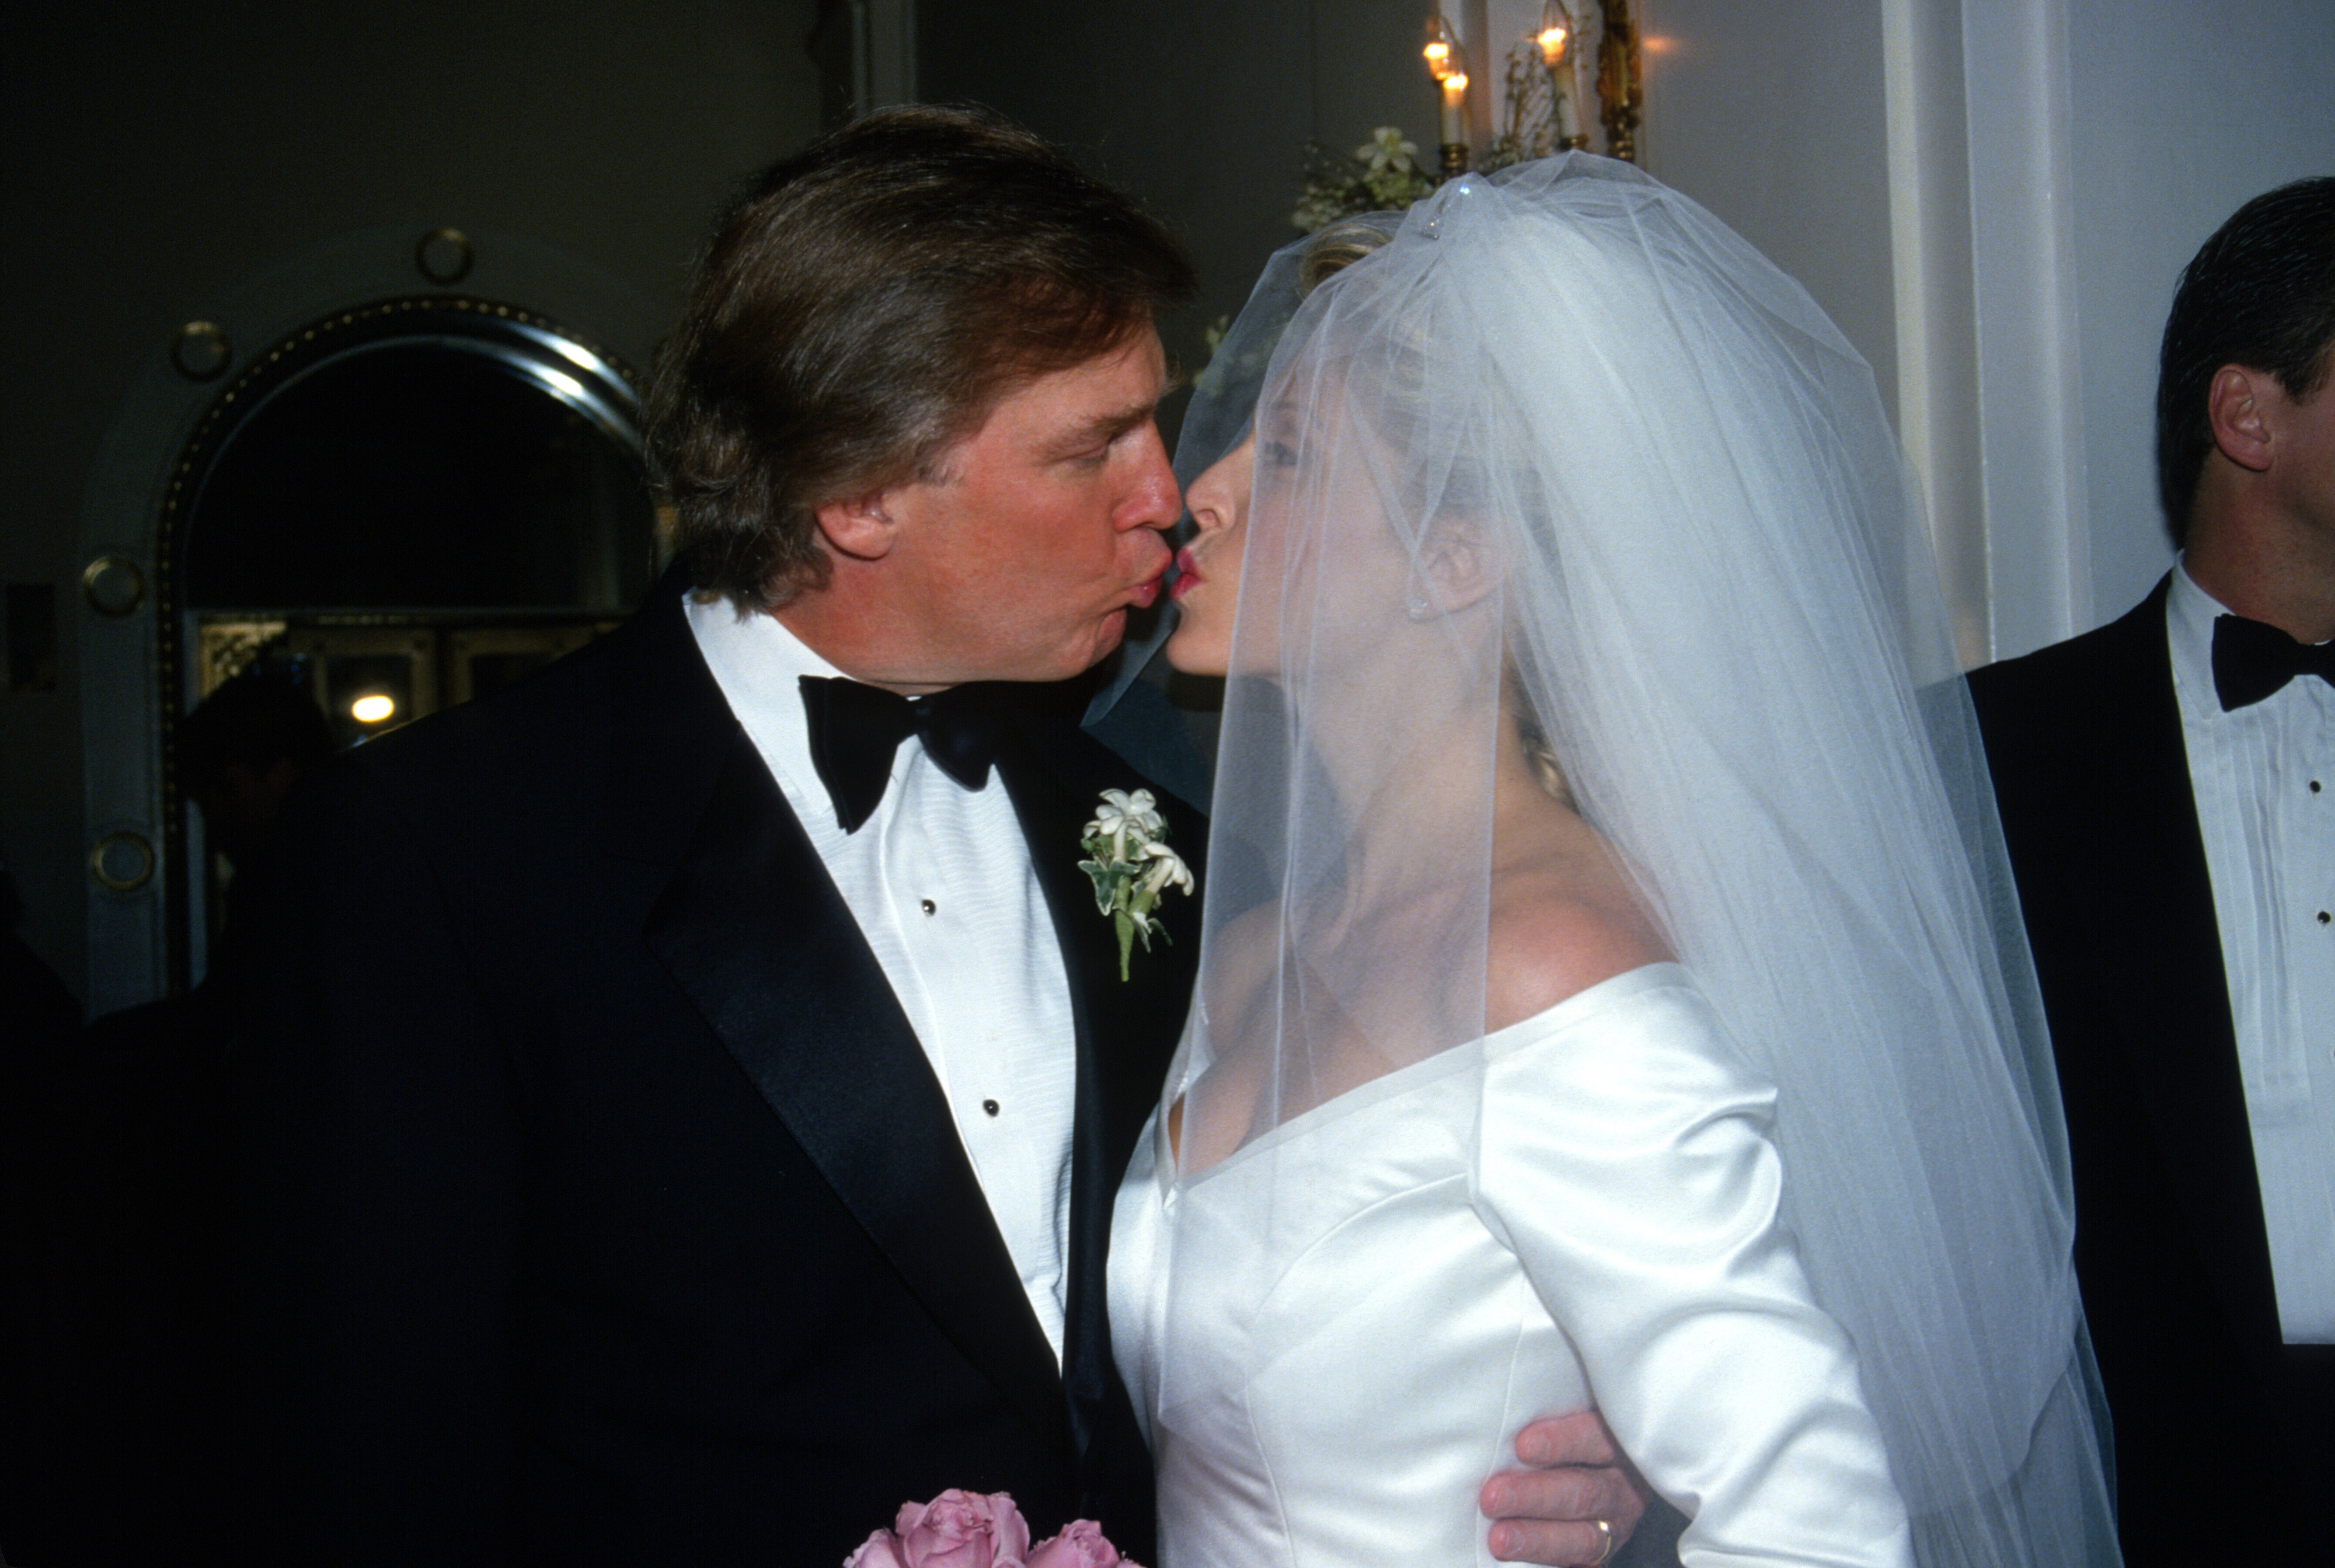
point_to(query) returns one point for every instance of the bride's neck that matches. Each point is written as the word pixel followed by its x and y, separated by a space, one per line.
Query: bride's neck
pixel 1417 812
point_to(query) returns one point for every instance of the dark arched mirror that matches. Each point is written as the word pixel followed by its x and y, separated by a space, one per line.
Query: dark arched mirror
pixel 400 509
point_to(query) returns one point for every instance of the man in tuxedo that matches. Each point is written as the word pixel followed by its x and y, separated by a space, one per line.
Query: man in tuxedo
pixel 685 1093
pixel 2167 790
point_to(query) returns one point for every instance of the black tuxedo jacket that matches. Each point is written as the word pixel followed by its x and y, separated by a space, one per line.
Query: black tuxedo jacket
pixel 601 1205
pixel 2218 1426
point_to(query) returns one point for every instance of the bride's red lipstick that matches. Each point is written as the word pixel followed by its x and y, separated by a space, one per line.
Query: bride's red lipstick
pixel 1188 576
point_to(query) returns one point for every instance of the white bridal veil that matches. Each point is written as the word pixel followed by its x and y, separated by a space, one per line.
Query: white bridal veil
pixel 1567 437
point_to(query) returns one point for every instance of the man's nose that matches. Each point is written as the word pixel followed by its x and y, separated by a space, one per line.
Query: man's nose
pixel 1155 502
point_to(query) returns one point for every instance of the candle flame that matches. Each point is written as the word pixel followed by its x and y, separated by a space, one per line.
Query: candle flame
pixel 1438 59
pixel 372 710
pixel 1552 43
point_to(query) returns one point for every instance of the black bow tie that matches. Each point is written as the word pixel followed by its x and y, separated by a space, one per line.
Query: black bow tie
pixel 2250 661
pixel 855 729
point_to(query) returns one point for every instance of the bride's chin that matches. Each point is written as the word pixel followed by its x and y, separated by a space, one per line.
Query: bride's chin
pixel 1188 656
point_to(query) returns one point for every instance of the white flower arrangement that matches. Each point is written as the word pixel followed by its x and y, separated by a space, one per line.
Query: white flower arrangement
pixel 1132 866
pixel 1381 175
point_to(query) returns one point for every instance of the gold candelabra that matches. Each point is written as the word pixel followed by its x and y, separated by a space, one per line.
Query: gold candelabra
pixel 1559 45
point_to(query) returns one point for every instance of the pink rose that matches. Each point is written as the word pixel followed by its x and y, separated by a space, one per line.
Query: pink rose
pixel 882 1550
pixel 1079 1545
pixel 962 1530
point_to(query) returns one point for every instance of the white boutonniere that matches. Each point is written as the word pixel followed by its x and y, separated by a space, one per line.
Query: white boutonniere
pixel 1132 866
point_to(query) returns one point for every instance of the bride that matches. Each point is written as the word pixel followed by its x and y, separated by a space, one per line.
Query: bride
pixel 1610 991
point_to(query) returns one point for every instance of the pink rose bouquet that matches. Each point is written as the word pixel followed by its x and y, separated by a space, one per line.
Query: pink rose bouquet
pixel 970 1529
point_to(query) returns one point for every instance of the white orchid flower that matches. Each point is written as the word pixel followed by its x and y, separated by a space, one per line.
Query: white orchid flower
pixel 1387 148
pixel 1125 812
pixel 1167 870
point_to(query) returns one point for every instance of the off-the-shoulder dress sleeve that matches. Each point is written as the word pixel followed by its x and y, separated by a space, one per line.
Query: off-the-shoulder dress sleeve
pixel 1627 1158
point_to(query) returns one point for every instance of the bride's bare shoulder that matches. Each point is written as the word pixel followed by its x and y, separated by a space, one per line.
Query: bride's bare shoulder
pixel 1558 928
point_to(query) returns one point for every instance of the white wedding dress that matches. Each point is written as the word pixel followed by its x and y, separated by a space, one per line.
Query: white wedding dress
pixel 1579 1208
pixel 1561 468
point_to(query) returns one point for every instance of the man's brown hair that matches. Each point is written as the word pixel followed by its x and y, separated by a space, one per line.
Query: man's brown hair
pixel 863 306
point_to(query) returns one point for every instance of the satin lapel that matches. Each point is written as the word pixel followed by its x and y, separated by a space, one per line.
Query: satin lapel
pixel 2160 941
pixel 751 928
pixel 1126 1029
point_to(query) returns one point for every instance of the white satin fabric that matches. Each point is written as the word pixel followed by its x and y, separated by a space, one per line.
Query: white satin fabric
pixel 1578 1208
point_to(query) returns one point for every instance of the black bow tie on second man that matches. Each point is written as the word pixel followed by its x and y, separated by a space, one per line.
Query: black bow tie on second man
pixel 2252 659
pixel 855 729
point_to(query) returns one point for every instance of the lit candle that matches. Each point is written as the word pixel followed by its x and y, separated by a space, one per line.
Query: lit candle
pixel 1455 109
pixel 1560 91
pixel 1555 40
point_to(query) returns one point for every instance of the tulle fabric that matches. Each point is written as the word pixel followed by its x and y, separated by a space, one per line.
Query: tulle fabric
pixel 1566 431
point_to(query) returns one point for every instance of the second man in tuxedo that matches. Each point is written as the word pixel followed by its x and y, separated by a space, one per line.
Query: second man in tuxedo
pixel 2168 791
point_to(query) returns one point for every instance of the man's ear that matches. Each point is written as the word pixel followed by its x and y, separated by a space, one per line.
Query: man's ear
pixel 1456 561
pixel 2240 405
pixel 860 526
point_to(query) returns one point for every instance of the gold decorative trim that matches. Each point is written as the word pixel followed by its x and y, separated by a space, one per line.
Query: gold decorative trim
pixel 1620 79
pixel 226 648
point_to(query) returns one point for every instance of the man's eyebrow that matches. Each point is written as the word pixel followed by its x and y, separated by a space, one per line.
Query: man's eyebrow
pixel 1109 427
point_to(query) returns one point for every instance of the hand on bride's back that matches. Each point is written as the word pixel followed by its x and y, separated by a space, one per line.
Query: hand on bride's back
pixel 1549 1513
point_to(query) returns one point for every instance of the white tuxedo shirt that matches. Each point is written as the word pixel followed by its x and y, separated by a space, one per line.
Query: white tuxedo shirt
pixel 940 882
pixel 2264 779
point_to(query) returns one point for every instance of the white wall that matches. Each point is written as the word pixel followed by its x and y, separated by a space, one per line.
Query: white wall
pixel 1993 198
